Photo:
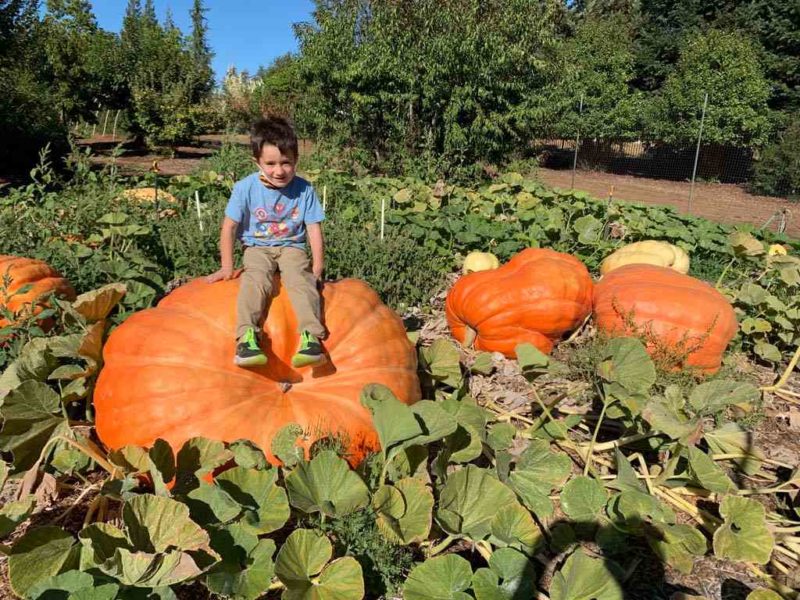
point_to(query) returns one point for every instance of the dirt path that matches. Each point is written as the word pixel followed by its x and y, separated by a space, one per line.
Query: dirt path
pixel 724 203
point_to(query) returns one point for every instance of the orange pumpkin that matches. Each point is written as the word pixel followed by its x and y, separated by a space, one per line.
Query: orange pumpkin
pixel 169 371
pixel 17 273
pixel 685 320
pixel 536 297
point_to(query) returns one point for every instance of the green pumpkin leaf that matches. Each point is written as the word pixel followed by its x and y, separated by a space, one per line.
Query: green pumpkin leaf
pixel 246 454
pixel 743 535
pixel 326 485
pixel 626 475
pixel 537 473
pixel 764 594
pixel 469 500
pixel 246 582
pixel 199 456
pixel 34 363
pixel 501 436
pixel 510 575
pixel 514 527
pixel 708 473
pixel 12 514
pixel 712 396
pixel 483 364
pixel 394 421
pixel 443 362
pixel 582 499
pixel 404 511
pixel 436 423
pixel 440 578
pixel 284 445
pixel 301 567
pixel 31 416
pixel 156 524
pixel 678 545
pixel 745 244
pixel 61 585
pixel 40 553
pixel 209 504
pixel 145 569
pixel 732 439
pixel 585 578
pixel 532 361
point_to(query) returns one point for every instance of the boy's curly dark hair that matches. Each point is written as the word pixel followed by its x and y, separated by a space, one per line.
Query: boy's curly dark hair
pixel 275 131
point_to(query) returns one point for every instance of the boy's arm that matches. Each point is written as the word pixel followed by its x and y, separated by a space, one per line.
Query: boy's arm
pixel 317 243
pixel 226 238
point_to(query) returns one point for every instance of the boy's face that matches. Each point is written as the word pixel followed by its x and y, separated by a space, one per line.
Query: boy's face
pixel 277 168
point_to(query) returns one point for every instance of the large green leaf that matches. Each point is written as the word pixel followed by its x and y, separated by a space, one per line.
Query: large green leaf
pixel 732 439
pixel 200 456
pixel 34 363
pixel 743 535
pixel 59 586
pixel 713 396
pixel 678 545
pixel 31 416
pixel 532 361
pixel 764 594
pixel 97 304
pixel 157 524
pixel 510 576
pixel 708 473
pixel 246 582
pixel 145 569
pixel 404 511
pixel 440 578
pixel 327 485
pixel 40 553
pixel 514 527
pixel 629 372
pixel 582 499
pixel 537 473
pixel 436 423
pixel 469 501
pixel 301 567
pixel 442 360
pixel 394 421
pixel 209 504
pixel 284 445
pixel 14 513
pixel 585 578
pixel 626 475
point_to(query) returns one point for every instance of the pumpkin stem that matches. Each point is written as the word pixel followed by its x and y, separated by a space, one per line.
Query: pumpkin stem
pixel 469 336
pixel 285 386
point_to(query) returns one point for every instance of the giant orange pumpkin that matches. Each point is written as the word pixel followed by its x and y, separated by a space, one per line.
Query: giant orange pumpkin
pixel 40 279
pixel 536 297
pixel 676 314
pixel 169 371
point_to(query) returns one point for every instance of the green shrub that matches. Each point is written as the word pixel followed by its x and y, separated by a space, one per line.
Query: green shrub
pixel 778 171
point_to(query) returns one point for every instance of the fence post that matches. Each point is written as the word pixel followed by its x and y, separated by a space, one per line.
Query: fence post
pixel 383 215
pixel 577 142
pixel 105 123
pixel 114 135
pixel 697 152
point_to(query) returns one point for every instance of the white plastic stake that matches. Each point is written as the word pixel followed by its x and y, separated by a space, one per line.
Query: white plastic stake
pixel 383 215
pixel 114 135
pixel 324 197
pixel 197 206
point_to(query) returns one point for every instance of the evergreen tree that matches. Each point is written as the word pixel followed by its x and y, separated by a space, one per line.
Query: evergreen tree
pixel 200 51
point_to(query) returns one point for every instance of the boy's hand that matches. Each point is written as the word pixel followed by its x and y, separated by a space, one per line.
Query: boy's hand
pixel 222 275
pixel 317 268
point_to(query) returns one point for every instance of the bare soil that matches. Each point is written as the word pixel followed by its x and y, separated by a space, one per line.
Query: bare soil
pixel 720 202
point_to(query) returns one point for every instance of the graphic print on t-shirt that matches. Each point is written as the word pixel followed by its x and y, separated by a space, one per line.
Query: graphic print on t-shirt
pixel 276 222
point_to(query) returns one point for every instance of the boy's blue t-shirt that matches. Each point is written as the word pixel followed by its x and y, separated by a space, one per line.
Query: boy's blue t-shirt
pixel 273 217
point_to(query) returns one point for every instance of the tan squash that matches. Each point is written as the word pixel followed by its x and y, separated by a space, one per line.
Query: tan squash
pixel 648 252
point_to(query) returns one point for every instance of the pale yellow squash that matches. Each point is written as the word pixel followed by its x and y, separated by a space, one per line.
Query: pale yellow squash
pixel 480 261
pixel 648 252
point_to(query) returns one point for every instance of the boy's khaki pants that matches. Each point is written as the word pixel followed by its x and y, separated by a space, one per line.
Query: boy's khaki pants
pixel 256 288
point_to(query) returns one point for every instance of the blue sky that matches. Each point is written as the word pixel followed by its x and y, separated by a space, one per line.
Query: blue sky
pixel 244 33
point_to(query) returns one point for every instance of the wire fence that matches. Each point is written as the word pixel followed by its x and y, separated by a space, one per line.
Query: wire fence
pixel 676 168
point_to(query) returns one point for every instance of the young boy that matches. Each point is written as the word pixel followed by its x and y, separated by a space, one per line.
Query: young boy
pixel 273 212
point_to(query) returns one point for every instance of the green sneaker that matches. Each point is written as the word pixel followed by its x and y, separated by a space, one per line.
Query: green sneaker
pixel 248 352
pixel 309 352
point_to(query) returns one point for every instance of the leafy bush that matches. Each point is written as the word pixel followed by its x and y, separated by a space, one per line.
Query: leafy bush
pixel 777 173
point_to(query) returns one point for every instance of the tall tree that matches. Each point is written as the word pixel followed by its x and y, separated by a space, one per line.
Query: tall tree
pixel 200 50
pixel 724 65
